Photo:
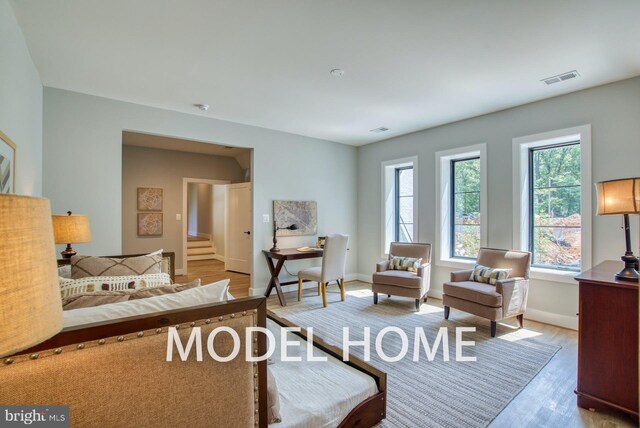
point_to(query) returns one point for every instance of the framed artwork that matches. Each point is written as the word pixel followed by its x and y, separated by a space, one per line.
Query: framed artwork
pixel 303 214
pixel 7 165
pixel 149 199
pixel 149 224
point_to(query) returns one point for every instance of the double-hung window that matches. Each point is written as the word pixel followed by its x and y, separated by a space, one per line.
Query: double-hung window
pixel 399 201
pixel 552 201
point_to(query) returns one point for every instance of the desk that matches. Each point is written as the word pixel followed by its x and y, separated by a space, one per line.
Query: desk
pixel 282 256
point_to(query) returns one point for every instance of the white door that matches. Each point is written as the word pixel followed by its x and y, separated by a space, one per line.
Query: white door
pixel 239 228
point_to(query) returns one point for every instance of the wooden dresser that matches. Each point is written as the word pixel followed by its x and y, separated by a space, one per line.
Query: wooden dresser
pixel 607 340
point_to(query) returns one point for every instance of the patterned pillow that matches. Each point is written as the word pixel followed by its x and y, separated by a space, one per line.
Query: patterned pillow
pixel 488 275
pixel 84 266
pixel 404 263
pixel 70 287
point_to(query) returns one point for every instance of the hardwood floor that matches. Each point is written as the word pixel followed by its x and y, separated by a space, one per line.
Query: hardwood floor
pixel 548 400
pixel 213 270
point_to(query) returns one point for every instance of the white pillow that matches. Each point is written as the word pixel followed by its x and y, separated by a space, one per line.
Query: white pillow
pixel 64 271
pixel 70 287
pixel 210 293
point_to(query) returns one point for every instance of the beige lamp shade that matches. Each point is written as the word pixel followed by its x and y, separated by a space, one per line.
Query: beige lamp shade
pixel 619 196
pixel 71 229
pixel 30 304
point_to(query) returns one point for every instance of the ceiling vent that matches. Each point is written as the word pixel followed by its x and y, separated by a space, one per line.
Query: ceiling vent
pixel 379 130
pixel 560 77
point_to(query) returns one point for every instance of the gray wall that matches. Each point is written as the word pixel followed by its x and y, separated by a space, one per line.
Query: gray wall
pixel 83 168
pixel 20 103
pixel 205 207
pixel 144 167
pixel 613 111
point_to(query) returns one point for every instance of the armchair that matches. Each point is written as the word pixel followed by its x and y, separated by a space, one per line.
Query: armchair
pixel 508 298
pixel 403 283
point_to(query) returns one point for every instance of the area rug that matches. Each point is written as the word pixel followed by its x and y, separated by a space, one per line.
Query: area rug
pixel 429 393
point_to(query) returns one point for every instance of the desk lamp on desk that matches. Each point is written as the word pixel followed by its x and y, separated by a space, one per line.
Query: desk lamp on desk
pixel 275 230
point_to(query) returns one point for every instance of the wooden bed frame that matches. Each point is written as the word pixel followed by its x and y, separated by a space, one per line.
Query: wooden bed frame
pixel 370 411
pixel 366 414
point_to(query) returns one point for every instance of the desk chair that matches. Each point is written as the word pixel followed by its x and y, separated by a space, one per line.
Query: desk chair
pixel 334 260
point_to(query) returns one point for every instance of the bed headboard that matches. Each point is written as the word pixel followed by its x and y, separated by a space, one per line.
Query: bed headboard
pixel 116 372
pixel 168 262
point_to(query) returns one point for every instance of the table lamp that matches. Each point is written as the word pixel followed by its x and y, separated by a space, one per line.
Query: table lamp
pixel 71 229
pixel 621 197
pixel 275 230
pixel 30 304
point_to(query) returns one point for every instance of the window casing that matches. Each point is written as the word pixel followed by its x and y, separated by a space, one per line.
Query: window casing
pixel 465 219
pixel 399 202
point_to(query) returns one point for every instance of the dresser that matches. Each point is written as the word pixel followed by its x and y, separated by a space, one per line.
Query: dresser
pixel 607 340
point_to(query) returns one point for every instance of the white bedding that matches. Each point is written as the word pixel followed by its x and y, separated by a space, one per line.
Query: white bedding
pixel 316 394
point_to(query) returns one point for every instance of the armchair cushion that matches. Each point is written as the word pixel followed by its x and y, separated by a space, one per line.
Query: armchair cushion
pixel 483 294
pixel 489 275
pixel 409 264
pixel 382 266
pixel 398 278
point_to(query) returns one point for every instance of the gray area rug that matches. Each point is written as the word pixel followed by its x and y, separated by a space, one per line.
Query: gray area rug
pixel 429 393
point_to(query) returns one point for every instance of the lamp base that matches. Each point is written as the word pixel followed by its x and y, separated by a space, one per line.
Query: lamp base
pixel 629 273
pixel 68 252
pixel 275 249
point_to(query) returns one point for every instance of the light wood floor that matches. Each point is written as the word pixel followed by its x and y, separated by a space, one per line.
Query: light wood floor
pixel 213 270
pixel 548 400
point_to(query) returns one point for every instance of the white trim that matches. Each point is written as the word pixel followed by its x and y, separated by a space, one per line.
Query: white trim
pixel 220 258
pixel 388 189
pixel 185 220
pixel 364 278
pixel 443 202
pixel 566 321
pixel 521 146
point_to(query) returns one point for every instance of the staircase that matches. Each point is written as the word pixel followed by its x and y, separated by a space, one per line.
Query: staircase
pixel 200 248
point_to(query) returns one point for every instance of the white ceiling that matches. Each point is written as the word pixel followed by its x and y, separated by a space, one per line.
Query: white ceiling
pixel 409 65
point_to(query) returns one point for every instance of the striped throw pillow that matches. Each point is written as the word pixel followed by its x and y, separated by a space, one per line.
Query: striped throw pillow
pixel 71 287
pixel 489 275
pixel 404 263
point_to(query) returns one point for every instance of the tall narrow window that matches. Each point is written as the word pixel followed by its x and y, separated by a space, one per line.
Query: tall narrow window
pixel 555 217
pixel 465 208
pixel 404 204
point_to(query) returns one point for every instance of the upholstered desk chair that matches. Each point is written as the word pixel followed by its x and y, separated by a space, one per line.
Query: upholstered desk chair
pixel 414 285
pixel 334 260
pixel 506 299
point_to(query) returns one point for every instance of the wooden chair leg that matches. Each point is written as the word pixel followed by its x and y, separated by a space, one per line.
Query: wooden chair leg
pixel 299 289
pixel 342 289
pixel 418 305
pixel 323 286
pixel 375 298
pixel 447 309
pixel 493 328
pixel 520 320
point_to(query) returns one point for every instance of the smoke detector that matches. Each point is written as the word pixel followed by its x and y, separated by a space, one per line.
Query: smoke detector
pixel 337 72
pixel 560 77
pixel 203 107
pixel 379 130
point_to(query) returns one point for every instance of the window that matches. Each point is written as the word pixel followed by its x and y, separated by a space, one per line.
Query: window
pixel 461 205
pixel 404 204
pixel 399 201
pixel 554 206
pixel 552 201
pixel 465 208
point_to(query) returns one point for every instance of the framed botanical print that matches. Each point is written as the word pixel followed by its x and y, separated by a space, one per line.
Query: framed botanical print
pixel 7 165
pixel 149 199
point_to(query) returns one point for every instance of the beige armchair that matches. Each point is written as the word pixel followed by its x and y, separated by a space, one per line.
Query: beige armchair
pixel 508 298
pixel 403 283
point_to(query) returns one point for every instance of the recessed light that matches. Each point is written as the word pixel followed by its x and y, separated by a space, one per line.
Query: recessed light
pixel 337 72
pixel 203 107
pixel 379 130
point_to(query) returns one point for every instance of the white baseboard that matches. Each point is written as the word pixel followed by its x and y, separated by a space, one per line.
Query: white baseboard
pixel 219 257
pixel 566 321
pixel 363 277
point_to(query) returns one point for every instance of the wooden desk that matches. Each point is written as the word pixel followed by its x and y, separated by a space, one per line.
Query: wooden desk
pixel 607 340
pixel 282 256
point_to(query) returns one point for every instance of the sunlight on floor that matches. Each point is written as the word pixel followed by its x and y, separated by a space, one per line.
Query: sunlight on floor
pixel 520 334
pixel 429 309
pixel 359 293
